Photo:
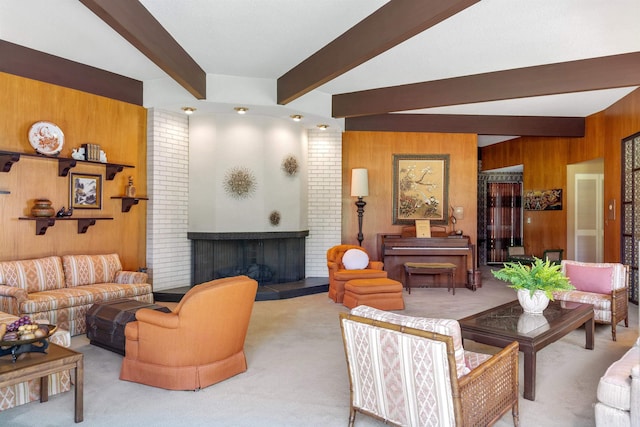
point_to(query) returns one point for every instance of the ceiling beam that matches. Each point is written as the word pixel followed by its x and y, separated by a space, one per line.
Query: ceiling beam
pixel 575 76
pixel 392 24
pixel 478 124
pixel 33 64
pixel 136 24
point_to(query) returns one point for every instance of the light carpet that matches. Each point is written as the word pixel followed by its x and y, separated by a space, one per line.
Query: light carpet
pixel 297 372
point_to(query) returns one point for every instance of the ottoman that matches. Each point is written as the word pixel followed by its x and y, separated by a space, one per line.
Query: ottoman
pixel 381 293
pixel 106 321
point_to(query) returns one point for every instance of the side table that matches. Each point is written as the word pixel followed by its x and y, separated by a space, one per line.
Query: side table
pixel 40 365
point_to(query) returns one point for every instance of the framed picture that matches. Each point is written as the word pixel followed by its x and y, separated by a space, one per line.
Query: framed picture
pixel 420 188
pixel 543 200
pixel 85 191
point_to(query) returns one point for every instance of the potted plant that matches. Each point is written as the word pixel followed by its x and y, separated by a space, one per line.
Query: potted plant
pixel 535 283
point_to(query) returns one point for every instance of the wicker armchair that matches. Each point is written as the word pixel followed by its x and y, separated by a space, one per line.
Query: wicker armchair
pixel 395 361
pixel 603 285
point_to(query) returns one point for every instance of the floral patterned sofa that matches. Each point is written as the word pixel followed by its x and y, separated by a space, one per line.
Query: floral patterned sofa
pixel 62 289
pixel 28 391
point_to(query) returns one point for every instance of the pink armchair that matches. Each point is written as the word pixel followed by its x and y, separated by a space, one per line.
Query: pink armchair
pixel 339 274
pixel 604 285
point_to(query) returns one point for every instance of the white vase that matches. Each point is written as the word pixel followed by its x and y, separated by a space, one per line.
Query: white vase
pixel 528 322
pixel 533 304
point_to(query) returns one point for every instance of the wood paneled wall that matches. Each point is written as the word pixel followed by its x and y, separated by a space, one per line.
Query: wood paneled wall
pixel 375 150
pixel 118 127
pixel 544 163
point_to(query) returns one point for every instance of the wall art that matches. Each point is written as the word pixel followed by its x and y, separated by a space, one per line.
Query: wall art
pixel 543 200
pixel 420 188
pixel 290 165
pixel 239 182
pixel 85 191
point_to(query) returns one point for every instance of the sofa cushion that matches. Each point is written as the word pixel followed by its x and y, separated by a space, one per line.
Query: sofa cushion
pixel 441 326
pixel 614 388
pixel 80 270
pixel 33 275
pixel 590 278
pixel 355 259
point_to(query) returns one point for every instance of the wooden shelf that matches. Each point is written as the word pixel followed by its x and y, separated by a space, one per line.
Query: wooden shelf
pixel 127 202
pixel 8 158
pixel 42 223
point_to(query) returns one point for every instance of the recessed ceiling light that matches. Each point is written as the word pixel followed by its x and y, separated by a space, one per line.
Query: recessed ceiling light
pixel 323 127
pixel 241 110
pixel 188 110
pixel 296 117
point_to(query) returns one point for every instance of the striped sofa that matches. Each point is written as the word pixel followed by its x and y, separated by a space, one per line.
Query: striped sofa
pixel 28 391
pixel 62 289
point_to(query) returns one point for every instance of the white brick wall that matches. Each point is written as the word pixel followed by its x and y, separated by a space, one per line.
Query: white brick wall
pixel 325 193
pixel 168 249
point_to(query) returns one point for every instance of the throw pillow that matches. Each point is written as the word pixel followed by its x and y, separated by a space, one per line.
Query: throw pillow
pixel 355 259
pixel 590 278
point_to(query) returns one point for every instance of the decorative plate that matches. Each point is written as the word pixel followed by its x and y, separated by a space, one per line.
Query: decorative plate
pixel 46 138
pixel 51 328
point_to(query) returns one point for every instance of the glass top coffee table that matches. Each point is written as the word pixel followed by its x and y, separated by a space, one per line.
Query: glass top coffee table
pixel 499 326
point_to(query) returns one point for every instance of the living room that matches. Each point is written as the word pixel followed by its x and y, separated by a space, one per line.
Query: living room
pixel 171 168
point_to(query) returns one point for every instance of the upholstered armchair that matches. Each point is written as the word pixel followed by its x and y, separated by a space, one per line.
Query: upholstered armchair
pixel 412 371
pixel 358 266
pixel 604 285
pixel 199 344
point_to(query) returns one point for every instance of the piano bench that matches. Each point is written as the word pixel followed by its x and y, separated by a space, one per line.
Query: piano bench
pixel 381 293
pixel 430 268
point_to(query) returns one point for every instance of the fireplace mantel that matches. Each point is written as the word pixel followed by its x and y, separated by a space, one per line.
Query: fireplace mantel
pixel 215 254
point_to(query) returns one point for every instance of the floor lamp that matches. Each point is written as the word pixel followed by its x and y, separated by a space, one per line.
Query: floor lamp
pixel 360 189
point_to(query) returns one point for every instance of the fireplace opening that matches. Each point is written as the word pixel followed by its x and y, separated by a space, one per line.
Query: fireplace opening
pixel 263 274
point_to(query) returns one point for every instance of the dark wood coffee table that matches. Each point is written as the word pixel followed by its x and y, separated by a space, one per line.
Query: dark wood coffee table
pixel 499 326
pixel 39 365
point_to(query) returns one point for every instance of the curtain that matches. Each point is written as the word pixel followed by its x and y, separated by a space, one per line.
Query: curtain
pixel 504 219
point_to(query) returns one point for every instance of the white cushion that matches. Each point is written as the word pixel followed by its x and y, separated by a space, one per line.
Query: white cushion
pixel 614 388
pixel 355 259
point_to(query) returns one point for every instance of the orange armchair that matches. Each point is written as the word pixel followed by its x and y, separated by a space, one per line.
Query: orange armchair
pixel 339 275
pixel 199 344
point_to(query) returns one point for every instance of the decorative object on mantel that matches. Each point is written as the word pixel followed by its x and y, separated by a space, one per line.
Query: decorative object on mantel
pixel 78 153
pixel 535 283
pixel 42 209
pixel 130 190
pixel 62 213
pixel 46 138
pixel 93 153
pixel 239 182
pixel 274 218
pixel 290 165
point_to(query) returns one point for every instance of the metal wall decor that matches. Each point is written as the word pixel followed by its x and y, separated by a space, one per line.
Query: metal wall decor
pixel 290 165
pixel 274 218
pixel 239 182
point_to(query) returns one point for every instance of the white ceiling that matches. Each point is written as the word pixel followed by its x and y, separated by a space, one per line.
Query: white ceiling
pixel 245 45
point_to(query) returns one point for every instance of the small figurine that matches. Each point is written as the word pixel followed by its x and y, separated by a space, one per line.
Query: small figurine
pixel 62 213
pixel 78 153
pixel 130 190
pixel 103 157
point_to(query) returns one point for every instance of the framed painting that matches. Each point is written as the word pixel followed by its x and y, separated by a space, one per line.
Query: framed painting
pixel 85 191
pixel 543 200
pixel 420 188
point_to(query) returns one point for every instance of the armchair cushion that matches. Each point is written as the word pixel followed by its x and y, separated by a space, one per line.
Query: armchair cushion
pixel 355 259
pixel 448 327
pixel 590 278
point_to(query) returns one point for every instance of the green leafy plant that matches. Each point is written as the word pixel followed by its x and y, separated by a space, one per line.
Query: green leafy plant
pixel 540 276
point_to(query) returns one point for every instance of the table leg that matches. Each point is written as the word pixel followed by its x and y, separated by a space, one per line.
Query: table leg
pixel 44 388
pixel 79 403
pixel 529 374
pixel 589 329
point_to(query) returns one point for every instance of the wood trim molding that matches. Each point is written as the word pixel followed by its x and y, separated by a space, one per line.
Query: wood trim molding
pixel 33 64
pixel 575 76
pixel 387 27
pixel 481 125
pixel 136 24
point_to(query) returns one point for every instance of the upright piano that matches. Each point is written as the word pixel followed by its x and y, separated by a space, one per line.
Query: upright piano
pixel 395 250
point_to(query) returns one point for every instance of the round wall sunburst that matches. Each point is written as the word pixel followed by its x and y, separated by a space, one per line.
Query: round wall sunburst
pixel 290 165
pixel 239 182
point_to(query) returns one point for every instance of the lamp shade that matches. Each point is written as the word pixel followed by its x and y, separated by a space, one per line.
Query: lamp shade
pixel 359 182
